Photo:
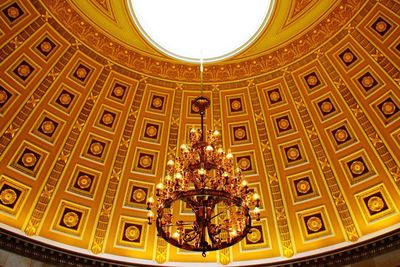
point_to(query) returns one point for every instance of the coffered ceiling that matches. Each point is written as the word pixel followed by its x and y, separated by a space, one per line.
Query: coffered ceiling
pixel 90 113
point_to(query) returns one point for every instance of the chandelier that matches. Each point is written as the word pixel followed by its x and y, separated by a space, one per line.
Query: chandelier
pixel 203 181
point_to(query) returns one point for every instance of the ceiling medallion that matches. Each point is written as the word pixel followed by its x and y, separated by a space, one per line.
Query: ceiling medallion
pixel 195 30
pixel 204 178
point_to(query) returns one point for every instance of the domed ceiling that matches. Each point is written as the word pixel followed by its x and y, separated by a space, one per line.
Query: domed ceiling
pixel 90 113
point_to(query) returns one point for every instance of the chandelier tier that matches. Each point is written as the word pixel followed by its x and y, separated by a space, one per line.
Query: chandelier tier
pixel 204 181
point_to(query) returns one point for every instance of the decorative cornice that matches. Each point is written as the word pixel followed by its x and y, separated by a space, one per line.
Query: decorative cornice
pixel 262 63
pixel 33 249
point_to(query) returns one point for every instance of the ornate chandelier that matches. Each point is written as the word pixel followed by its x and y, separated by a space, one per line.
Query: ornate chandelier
pixel 204 181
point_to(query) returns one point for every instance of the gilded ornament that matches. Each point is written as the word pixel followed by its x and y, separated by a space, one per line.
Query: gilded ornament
pixel 283 124
pixel 236 105
pixel 139 195
pixel 254 236
pixel 312 80
pixel 48 127
pixel 240 133
pixel 29 159
pixel 3 96
pixel 367 81
pixel 274 96
pixel 118 91
pixel 71 219
pixel 293 153
pixel 132 233
pixel 388 108
pixel 357 167
pixel 84 181
pixel 81 73
pixel 195 108
pixel 326 106
pixel 13 12
pixel 24 70
pixel 157 102
pixel 244 164
pixel 341 135
pixel 314 224
pixel 45 46
pixel 8 196
pixel 65 99
pixel 375 204
pixel 151 131
pixel 303 186
pixel 145 161
pixel 381 26
pixel 348 57
pixel 107 119
pixel 96 148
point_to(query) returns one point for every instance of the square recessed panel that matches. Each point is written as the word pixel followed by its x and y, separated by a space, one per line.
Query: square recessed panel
pixel 48 127
pixel 283 124
pixel 151 131
pixel 303 187
pixel 236 105
pixel 358 167
pixel 118 91
pixel 246 162
pixel 157 102
pixel 375 203
pixel 81 72
pixel 293 154
pixel 84 181
pixel 29 159
pixel 71 219
pixel 145 161
pixel 326 107
pixel 137 194
pixel 12 195
pixel 387 108
pixel 107 118
pixel 96 148
pixel 7 96
pixel 381 26
pixel 368 82
pixel 314 223
pixel 341 135
pixel 46 47
pixel 23 70
pixel 132 232
pixel 348 58
pixel 313 80
pixel 275 97
pixel 239 134
pixel 65 99
pixel 257 238
pixel 12 13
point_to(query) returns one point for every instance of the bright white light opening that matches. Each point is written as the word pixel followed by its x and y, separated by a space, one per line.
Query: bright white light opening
pixel 193 29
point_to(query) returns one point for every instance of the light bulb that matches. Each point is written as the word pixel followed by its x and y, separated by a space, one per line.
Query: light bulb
pixel 244 183
pixel 256 196
pixel 209 148
pixel 170 163
pixel 176 235
pixel 229 155
pixel 216 133
pixel 159 186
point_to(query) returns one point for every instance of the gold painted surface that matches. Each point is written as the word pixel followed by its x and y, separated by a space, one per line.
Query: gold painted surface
pixel 85 135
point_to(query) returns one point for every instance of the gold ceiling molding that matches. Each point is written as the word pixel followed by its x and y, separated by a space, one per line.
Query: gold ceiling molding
pixel 175 70
pixel 298 7
pixel 84 138
pixel 105 7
